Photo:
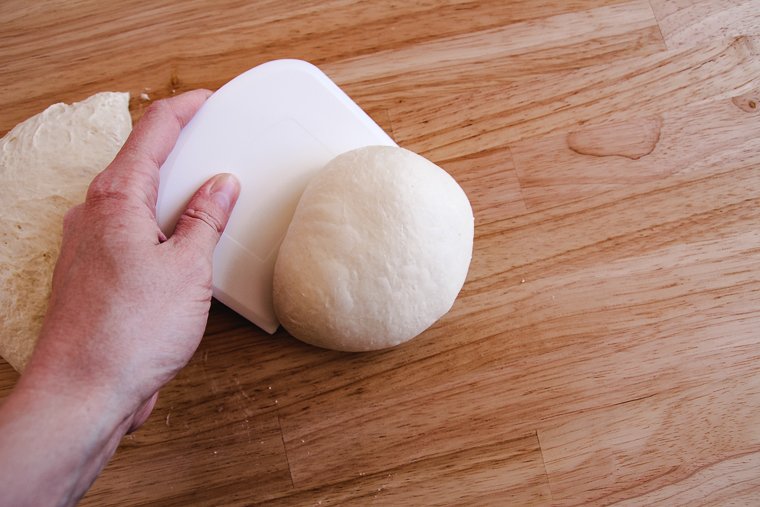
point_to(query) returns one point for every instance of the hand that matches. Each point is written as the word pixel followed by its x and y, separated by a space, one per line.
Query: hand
pixel 128 306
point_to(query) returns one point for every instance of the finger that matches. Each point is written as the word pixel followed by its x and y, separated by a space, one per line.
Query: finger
pixel 206 216
pixel 134 171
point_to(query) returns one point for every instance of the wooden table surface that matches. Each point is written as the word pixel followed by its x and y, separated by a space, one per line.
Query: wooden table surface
pixel 606 345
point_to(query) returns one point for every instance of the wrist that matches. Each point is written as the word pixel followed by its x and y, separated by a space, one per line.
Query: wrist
pixel 73 404
pixel 55 438
pixel 82 403
pixel 94 386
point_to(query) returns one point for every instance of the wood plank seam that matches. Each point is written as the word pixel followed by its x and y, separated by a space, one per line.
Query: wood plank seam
pixel 482 448
pixel 543 464
pixel 659 26
pixel 519 184
pixel 285 446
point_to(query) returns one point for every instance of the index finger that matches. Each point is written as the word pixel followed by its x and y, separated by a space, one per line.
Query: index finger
pixel 135 169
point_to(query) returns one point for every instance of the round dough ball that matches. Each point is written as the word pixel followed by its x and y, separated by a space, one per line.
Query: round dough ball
pixel 377 251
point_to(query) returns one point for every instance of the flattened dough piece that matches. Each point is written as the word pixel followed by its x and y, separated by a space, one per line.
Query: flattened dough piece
pixel 46 164
pixel 377 251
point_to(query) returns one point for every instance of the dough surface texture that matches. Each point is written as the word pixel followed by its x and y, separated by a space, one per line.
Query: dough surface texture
pixel 377 251
pixel 46 165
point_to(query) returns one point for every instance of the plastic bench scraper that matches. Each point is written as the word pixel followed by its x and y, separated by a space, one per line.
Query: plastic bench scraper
pixel 273 127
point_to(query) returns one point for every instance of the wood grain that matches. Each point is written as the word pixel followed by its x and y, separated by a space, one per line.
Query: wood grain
pixel 606 345
pixel 500 472
pixel 597 158
pixel 548 341
pixel 690 22
pixel 145 46
pixel 681 433
pixel 559 101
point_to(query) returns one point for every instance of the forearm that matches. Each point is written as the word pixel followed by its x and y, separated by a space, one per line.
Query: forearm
pixel 54 443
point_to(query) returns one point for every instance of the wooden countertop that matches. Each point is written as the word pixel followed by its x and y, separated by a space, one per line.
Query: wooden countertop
pixel 606 346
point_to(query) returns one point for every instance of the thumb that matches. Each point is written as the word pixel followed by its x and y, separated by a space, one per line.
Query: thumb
pixel 205 218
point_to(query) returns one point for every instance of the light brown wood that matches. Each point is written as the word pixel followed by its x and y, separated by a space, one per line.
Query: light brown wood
pixel 682 432
pixel 686 22
pixel 510 472
pixel 606 346
pixel 593 159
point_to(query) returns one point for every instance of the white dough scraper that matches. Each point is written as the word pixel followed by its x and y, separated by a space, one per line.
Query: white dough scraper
pixel 273 127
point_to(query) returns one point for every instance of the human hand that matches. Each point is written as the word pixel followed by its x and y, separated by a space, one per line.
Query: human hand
pixel 127 310
pixel 129 306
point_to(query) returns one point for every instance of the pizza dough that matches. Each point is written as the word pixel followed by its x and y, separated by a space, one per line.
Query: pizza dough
pixel 377 251
pixel 46 164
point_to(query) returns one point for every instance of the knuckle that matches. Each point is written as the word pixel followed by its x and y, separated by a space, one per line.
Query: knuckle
pixel 71 215
pixel 158 107
pixel 161 110
pixel 205 217
pixel 97 184
pixel 102 190
pixel 100 197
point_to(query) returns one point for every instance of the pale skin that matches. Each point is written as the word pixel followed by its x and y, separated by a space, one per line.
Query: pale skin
pixel 128 308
